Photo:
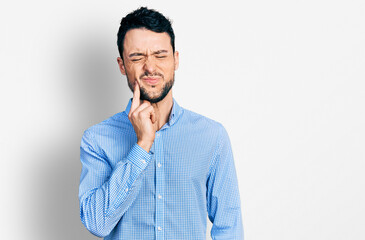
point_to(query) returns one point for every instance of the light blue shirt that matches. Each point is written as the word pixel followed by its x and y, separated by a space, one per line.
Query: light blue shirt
pixel 127 193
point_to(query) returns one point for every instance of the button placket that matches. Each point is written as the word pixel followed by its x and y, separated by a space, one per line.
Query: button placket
pixel 160 181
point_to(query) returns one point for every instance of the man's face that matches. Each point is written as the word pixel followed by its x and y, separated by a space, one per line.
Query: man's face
pixel 148 58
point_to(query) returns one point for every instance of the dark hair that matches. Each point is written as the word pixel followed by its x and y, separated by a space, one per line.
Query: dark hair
pixel 144 18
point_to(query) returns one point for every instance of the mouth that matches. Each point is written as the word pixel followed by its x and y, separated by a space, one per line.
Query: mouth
pixel 151 80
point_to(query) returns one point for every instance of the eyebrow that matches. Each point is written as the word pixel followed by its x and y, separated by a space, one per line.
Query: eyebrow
pixel 135 54
pixel 160 51
pixel 142 54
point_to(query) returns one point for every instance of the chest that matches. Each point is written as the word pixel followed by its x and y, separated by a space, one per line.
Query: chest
pixel 182 160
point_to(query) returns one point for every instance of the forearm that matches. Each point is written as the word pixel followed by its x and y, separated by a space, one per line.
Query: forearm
pixel 102 206
pixel 225 213
pixel 223 198
pixel 229 229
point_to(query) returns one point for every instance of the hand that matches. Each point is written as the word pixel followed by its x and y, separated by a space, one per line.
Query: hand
pixel 143 119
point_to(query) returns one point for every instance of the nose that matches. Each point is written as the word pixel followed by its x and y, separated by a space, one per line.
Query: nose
pixel 149 65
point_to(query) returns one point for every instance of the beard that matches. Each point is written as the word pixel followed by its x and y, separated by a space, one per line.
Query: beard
pixel 146 95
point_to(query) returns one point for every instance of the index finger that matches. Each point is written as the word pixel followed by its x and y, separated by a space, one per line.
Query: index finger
pixel 136 95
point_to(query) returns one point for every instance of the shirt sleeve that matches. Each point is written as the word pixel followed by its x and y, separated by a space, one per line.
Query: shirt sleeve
pixel 106 193
pixel 223 200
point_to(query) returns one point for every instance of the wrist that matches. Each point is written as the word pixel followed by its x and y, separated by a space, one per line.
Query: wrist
pixel 146 145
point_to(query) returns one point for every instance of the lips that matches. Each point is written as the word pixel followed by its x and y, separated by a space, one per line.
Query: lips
pixel 150 80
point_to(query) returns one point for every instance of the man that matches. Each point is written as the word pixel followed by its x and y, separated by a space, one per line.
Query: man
pixel 156 170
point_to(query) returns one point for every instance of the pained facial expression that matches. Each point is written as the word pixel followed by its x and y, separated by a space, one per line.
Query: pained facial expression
pixel 148 58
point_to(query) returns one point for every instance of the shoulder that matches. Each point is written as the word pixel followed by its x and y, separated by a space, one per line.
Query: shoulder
pixel 203 124
pixel 196 118
pixel 112 126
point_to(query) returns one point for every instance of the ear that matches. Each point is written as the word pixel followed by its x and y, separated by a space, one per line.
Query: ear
pixel 176 57
pixel 121 65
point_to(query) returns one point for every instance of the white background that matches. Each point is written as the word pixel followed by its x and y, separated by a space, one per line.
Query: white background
pixel 286 79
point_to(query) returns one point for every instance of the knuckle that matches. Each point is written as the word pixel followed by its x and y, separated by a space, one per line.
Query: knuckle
pixel 134 115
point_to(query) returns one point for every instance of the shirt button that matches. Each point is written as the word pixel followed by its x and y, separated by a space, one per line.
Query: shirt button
pixel 159 165
pixel 143 161
pixel 159 228
pixel 159 196
pixel 126 189
pixel 157 134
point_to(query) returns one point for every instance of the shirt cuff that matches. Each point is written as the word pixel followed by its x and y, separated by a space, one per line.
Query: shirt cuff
pixel 139 157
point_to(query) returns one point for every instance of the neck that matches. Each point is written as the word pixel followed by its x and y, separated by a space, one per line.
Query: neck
pixel 163 110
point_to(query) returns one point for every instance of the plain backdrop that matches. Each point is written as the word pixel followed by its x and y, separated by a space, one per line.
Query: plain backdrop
pixel 286 79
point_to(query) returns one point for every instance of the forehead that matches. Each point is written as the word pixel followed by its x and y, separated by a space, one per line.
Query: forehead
pixel 145 40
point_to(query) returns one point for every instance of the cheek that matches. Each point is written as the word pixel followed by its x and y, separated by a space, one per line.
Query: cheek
pixel 167 67
pixel 133 70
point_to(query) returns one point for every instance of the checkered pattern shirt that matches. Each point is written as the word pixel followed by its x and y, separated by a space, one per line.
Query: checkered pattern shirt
pixel 167 193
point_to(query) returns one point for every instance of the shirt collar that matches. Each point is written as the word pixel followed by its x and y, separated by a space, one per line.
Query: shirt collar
pixel 174 115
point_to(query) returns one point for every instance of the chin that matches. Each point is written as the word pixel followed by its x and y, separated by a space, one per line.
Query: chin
pixel 154 99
